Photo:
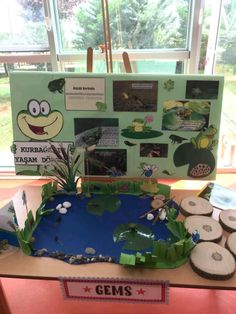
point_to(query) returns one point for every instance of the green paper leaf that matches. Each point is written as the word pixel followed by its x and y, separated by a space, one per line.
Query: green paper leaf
pixel 136 236
pixel 159 249
pixel 177 229
pixel 171 254
pixel 127 259
pixel 179 248
pixel 100 204
pixel 188 246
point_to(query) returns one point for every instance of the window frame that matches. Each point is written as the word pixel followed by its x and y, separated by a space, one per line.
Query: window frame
pixel 57 57
pixel 52 54
pixel 189 55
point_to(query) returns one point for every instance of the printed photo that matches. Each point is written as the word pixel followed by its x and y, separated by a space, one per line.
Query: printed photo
pixel 106 162
pixel 138 96
pixel 202 89
pixel 183 115
pixel 96 131
pixel 154 150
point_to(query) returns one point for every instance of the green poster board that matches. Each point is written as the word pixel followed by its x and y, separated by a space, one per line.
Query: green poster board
pixel 164 126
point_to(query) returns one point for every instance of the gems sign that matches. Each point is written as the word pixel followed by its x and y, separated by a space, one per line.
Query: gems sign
pixel 123 290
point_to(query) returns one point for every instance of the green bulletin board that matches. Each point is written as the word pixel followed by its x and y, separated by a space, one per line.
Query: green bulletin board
pixel 155 126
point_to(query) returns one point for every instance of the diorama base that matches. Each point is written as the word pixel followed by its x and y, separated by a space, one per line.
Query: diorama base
pixel 86 233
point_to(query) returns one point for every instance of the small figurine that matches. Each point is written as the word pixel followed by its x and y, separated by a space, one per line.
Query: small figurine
pixel 204 139
pixel 195 236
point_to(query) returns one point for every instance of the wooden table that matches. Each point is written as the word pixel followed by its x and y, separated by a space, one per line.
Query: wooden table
pixel 15 264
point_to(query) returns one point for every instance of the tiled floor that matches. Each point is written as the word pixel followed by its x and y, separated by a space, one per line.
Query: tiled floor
pixel 45 297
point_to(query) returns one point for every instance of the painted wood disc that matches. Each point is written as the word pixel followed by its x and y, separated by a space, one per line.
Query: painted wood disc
pixel 194 205
pixel 227 219
pixel 230 243
pixel 208 228
pixel 212 261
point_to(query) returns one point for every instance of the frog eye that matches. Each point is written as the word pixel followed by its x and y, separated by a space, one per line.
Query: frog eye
pixel 34 107
pixel 44 107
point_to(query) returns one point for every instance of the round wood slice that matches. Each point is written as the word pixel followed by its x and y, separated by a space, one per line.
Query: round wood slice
pixel 157 203
pixel 208 228
pixel 227 220
pixel 230 243
pixel 194 205
pixel 212 261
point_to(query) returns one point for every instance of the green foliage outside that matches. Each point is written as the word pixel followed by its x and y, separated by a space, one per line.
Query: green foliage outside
pixel 135 24
pixel 5 114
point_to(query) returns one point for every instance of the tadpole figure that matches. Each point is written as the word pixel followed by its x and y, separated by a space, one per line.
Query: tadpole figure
pixel 56 85
pixel 57 240
pixel 58 221
pixel 176 139
pixel 128 143
pixel 167 172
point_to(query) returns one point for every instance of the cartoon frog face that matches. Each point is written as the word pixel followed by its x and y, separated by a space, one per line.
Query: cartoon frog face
pixel 39 122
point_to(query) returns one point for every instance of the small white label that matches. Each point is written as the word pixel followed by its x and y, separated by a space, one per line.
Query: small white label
pixel 84 93
pixel 35 153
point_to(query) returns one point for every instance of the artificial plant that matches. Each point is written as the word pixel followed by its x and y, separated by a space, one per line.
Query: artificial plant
pixel 65 167
pixel 25 235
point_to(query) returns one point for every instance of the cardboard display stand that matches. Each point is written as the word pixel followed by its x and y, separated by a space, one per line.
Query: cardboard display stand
pixel 154 126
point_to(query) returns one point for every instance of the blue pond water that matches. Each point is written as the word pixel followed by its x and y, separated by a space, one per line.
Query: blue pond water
pixel 73 232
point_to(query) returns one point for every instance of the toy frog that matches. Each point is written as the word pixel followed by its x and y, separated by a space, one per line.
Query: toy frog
pixel 204 139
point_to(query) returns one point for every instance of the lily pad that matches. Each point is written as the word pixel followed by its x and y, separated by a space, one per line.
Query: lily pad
pixel 140 135
pixel 100 204
pixel 136 236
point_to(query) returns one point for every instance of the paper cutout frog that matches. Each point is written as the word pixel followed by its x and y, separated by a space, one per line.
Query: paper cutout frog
pixel 204 139
pixel 56 85
pixel 101 106
pixel 39 122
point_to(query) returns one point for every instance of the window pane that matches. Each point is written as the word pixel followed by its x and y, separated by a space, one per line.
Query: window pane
pixel 158 66
pixel 5 120
pixel 225 60
pixel 6 159
pixel 99 66
pixel 226 64
pixel 135 24
pixel 22 25
pixel 139 66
